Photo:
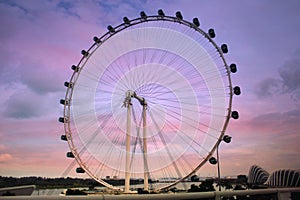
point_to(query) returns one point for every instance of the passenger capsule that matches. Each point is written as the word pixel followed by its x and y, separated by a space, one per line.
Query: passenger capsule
pixel 70 155
pixel 213 161
pixel 224 48
pixel 179 15
pixel 84 53
pixel 96 39
pixel 110 29
pixel 61 119
pixel 233 68
pixel 237 90
pixel 80 170
pixel 63 137
pixel 75 68
pixel 143 15
pixel 196 22
pixel 211 33
pixel 235 114
pixel 126 20
pixel 62 101
pixel 227 138
pixel 161 13
pixel 68 85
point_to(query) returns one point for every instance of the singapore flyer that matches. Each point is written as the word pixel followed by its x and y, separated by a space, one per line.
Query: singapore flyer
pixel 150 100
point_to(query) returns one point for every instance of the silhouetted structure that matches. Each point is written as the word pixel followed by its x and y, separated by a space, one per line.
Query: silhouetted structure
pixel 257 175
pixel 284 178
pixel 278 178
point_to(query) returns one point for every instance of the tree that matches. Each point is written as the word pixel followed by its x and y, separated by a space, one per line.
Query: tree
pixel 239 187
pixel 207 185
pixel 227 185
pixel 194 178
pixel 242 179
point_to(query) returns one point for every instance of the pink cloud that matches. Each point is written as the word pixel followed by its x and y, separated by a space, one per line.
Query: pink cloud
pixel 41 40
pixel 269 140
pixel 4 157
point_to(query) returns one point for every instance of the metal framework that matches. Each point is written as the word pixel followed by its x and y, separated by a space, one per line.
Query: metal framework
pixel 128 104
pixel 77 69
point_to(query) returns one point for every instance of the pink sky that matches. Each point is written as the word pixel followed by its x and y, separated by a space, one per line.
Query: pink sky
pixel 40 40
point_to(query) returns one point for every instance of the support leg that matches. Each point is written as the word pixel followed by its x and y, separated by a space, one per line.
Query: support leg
pixel 127 162
pixel 146 185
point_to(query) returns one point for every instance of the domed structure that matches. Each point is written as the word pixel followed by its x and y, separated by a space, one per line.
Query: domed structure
pixel 278 178
pixel 284 178
pixel 257 175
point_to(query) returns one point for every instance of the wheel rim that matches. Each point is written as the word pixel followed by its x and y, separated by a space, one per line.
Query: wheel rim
pixel 87 102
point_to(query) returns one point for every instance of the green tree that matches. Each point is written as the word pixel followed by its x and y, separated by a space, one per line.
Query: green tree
pixel 207 185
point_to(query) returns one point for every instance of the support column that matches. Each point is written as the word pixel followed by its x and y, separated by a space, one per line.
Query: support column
pixel 128 127
pixel 146 185
pixel 128 105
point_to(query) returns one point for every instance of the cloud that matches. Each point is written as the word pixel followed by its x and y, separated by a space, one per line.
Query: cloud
pixel 38 160
pixel 287 83
pixel 284 122
pixel 268 87
pixel 33 145
pixel 4 157
pixel 2 147
pixel 290 73
pixel 24 103
pixel 23 60
pixel 42 39
pixel 269 139
pixel 37 49
pixel 41 77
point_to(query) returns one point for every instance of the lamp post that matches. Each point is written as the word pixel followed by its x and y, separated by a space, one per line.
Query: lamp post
pixel 218 164
pixel 214 161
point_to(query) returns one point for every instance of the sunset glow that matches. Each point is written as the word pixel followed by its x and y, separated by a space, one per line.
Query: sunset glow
pixel 41 40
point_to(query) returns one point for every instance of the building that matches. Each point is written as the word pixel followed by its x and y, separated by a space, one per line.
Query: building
pixel 284 178
pixel 278 178
pixel 257 175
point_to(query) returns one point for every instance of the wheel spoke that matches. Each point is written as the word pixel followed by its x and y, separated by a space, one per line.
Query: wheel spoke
pixel 170 67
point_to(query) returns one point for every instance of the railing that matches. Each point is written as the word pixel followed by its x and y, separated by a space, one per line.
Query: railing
pixel 266 194
pixel 272 193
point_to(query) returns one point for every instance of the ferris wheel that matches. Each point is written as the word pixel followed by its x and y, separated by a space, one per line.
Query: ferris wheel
pixel 150 100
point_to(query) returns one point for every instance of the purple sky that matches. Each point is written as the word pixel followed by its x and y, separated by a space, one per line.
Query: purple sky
pixel 40 40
